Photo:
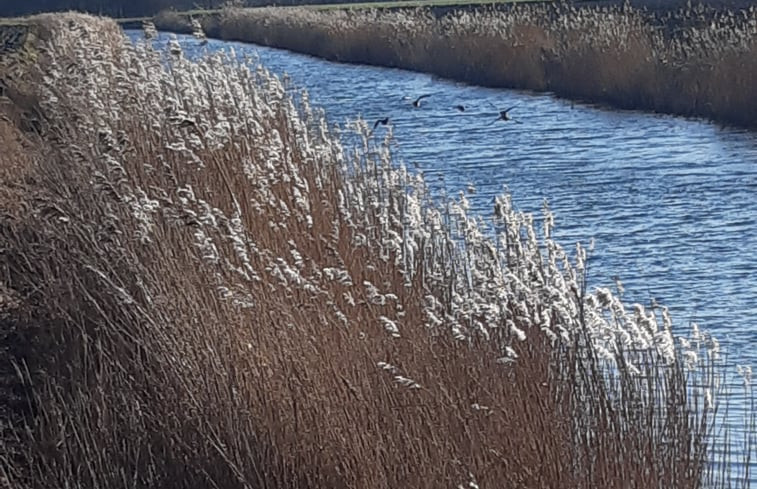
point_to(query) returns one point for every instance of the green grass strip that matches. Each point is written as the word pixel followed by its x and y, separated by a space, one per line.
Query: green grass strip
pixel 13 20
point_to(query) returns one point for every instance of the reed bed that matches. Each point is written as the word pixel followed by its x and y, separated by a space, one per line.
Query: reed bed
pixel 693 61
pixel 214 292
pixel 173 21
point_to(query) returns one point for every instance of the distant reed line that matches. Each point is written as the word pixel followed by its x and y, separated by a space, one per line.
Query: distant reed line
pixel 692 61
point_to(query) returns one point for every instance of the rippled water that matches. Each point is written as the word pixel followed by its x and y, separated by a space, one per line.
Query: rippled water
pixel 671 203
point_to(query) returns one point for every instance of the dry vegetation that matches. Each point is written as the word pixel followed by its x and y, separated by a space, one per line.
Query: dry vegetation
pixel 171 20
pixel 207 290
pixel 694 61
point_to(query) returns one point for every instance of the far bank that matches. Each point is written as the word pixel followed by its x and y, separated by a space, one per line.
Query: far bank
pixel 694 61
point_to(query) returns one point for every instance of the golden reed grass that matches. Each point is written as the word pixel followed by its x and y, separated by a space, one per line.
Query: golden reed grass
pixel 694 61
pixel 173 21
pixel 211 292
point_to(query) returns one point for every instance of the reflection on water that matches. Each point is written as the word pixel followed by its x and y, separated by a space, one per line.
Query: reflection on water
pixel 671 203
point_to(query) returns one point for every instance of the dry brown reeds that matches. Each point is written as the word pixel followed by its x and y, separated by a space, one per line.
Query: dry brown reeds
pixel 693 61
pixel 173 21
pixel 216 294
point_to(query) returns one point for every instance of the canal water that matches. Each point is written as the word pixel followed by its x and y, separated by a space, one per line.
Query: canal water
pixel 671 203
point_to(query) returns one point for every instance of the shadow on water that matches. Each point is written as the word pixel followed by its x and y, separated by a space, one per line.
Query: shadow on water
pixel 670 202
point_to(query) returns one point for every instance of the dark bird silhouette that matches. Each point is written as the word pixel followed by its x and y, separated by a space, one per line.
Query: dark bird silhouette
pixel 382 122
pixel 504 115
pixel 461 108
pixel 417 102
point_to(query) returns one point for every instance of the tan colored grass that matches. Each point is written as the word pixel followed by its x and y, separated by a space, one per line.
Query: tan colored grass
pixel 221 297
pixel 173 21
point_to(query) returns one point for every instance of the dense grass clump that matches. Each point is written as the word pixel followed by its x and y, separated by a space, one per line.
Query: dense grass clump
pixel 213 292
pixel 173 21
pixel 692 61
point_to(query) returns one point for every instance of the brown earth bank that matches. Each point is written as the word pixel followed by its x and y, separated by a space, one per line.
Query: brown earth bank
pixel 199 288
pixel 692 61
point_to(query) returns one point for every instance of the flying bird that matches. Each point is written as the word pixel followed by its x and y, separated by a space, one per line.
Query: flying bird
pixel 382 122
pixel 504 115
pixel 417 102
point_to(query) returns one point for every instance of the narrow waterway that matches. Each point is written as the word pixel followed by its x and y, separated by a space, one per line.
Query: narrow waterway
pixel 670 203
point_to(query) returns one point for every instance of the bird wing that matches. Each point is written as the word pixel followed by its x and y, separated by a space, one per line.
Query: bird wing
pixel 511 108
pixel 422 97
pixel 375 124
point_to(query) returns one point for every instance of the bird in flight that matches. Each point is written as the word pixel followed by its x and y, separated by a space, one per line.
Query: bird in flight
pixel 504 115
pixel 417 102
pixel 382 122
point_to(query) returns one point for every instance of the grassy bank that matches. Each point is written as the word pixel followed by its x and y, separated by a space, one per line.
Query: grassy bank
pixel 693 62
pixel 180 21
pixel 204 289
pixel 404 4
